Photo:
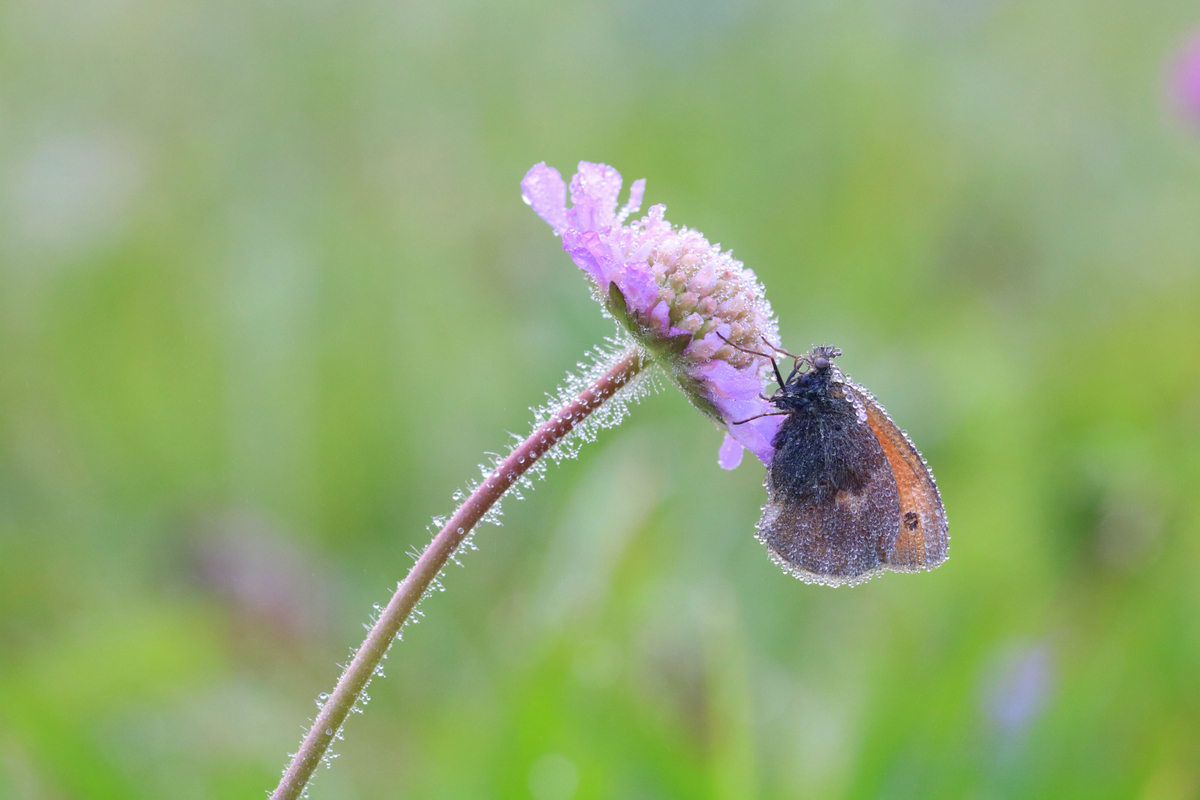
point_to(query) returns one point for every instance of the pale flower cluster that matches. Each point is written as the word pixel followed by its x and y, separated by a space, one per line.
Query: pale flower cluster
pixel 696 310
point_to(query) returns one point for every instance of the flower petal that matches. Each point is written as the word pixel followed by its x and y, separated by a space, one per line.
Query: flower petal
pixel 636 191
pixel 730 454
pixel 637 281
pixel 661 315
pixel 587 251
pixel 758 436
pixel 594 191
pixel 737 396
pixel 544 189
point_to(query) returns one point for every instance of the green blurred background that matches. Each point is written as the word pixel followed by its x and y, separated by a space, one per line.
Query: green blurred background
pixel 268 292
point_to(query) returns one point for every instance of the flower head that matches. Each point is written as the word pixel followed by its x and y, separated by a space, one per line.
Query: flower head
pixel 697 311
pixel 1185 80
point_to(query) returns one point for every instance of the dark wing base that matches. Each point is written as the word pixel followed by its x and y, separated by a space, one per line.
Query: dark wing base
pixel 833 511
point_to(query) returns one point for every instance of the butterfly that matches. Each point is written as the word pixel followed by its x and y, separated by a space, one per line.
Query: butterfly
pixel 848 494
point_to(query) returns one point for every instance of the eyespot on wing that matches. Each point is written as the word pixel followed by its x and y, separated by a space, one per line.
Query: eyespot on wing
pixel 923 542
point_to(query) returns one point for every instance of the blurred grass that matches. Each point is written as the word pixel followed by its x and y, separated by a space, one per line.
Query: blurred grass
pixel 268 292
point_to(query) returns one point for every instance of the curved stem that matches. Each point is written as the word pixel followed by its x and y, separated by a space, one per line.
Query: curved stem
pixel 356 676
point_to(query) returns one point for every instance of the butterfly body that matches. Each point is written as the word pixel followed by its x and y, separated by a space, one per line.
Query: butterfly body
pixel 848 495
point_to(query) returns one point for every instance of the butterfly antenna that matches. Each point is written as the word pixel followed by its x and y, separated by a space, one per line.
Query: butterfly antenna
pixel 792 356
pixel 774 365
pixel 760 416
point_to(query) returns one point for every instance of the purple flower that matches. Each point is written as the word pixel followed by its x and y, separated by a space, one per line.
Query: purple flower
pixel 689 305
pixel 1185 81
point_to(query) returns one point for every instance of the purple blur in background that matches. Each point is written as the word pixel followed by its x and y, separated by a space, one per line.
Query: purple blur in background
pixel 1185 81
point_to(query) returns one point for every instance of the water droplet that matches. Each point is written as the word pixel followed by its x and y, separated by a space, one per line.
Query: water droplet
pixel 329 731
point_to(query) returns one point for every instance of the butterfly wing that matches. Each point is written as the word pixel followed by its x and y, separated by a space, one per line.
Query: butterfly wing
pixel 923 542
pixel 832 513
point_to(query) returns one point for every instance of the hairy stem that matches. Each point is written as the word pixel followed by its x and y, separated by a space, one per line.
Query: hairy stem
pixel 356 676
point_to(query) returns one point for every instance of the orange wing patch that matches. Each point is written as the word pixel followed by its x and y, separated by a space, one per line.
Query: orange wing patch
pixel 923 542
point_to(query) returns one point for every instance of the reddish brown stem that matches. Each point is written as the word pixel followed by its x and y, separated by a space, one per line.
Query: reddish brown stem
pixel 414 586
